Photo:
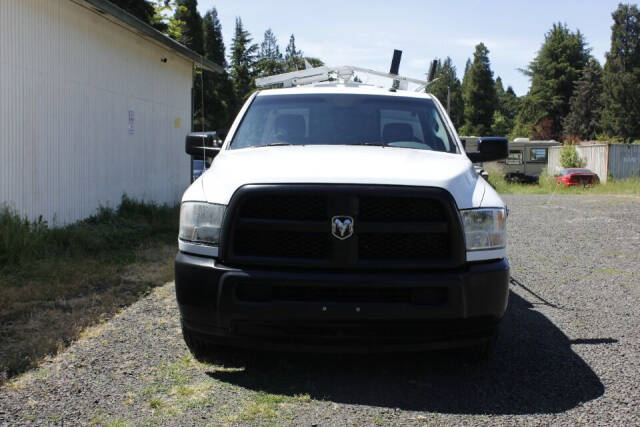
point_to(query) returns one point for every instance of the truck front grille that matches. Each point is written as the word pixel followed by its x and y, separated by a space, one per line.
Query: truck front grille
pixel 394 227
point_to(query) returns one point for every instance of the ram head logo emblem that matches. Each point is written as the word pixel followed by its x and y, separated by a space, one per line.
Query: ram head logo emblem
pixel 342 227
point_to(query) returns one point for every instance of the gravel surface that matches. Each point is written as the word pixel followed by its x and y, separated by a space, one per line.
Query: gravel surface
pixel 569 351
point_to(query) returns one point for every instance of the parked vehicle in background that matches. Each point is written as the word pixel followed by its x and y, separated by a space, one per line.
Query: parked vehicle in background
pixel 526 161
pixel 577 176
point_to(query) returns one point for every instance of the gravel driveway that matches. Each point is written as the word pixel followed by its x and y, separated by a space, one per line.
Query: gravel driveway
pixel 569 351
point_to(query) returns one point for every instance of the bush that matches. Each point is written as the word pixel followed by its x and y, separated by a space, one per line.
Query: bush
pixel 569 157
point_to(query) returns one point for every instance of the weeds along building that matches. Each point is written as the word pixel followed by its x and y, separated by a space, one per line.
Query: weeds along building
pixel 94 103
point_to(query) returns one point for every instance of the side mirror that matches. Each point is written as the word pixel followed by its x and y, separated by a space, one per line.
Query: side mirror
pixel 490 148
pixel 202 144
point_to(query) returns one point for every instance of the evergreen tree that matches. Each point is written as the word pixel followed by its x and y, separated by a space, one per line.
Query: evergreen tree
pixel 553 72
pixel 218 89
pixel 141 9
pixel 243 54
pixel 621 76
pixel 583 120
pixel 293 57
pixel 270 60
pixel 506 109
pixel 479 94
pixel 191 32
pixel 448 84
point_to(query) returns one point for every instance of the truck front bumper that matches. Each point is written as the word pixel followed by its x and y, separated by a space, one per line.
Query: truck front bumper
pixel 311 310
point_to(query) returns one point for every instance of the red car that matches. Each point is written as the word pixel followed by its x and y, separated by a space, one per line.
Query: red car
pixel 577 176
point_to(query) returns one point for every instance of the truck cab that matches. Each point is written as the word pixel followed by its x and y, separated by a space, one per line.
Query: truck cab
pixel 342 217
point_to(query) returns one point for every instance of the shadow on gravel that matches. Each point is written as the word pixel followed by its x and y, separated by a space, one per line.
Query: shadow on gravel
pixel 533 370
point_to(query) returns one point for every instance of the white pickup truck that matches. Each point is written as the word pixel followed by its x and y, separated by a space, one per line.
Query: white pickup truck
pixel 341 217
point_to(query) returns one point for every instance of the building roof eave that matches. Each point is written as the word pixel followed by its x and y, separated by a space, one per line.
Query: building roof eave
pixel 147 31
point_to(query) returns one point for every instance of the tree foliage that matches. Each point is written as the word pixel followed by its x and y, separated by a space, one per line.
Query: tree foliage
pixel 553 72
pixel 569 157
pixel 621 76
pixel 270 60
pixel 218 89
pixel 293 57
pixel 448 84
pixel 479 94
pixel 243 56
pixel 507 105
pixel 585 108
pixel 191 25
pixel 141 9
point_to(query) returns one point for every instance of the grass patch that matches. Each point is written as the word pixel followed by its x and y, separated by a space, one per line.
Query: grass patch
pixel 57 282
pixel 265 407
pixel 547 185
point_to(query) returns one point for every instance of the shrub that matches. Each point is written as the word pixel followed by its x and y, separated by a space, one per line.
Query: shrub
pixel 569 157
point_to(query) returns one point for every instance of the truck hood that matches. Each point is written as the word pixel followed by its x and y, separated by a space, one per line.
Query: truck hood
pixel 338 164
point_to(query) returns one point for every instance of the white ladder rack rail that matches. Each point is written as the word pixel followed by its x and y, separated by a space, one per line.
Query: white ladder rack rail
pixel 344 73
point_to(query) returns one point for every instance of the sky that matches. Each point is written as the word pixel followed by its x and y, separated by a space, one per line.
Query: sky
pixel 365 33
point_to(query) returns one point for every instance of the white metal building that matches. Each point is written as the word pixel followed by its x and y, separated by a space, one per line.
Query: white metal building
pixel 93 104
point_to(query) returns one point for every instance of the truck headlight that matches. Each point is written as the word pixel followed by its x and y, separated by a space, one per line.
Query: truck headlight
pixel 484 228
pixel 200 222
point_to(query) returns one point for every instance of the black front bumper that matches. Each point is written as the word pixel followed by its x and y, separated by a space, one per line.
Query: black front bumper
pixel 340 311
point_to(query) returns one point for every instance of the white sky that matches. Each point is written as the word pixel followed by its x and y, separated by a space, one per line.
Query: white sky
pixel 364 33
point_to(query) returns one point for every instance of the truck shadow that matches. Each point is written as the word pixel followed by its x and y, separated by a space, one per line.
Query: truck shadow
pixel 533 370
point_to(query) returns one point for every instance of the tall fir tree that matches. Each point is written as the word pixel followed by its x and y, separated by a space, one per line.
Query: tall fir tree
pixel 553 72
pixel 141 9
pixel 270 60
pixel 465 76
pixel 293 57
pixel 506 109
pixel 448 85
pixel 621 76
pixel 479 94
pixel 243 54
pixel 218 89
pixel 585 107
pixel 191 33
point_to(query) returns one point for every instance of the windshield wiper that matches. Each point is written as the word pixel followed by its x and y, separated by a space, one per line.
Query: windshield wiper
pixel 275 144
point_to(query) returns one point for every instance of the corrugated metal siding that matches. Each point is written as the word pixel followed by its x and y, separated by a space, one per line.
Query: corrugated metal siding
pixel 553 161
pixel 68 78
pixel 624 161
pixel 594 156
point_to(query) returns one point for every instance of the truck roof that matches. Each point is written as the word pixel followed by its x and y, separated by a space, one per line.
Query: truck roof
pixel 344 88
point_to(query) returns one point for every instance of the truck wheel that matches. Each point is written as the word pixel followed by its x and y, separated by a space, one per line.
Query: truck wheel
pixel 206 352
pixel 200 349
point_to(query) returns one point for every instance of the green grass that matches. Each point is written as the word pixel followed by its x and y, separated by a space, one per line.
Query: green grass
pixel 56 282
pixel 547 185
pixel 110 231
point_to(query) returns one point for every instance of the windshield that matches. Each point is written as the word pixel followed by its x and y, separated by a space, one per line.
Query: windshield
pixel 343 119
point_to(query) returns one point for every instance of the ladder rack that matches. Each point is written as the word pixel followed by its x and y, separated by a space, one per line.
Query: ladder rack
pixel 344 73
